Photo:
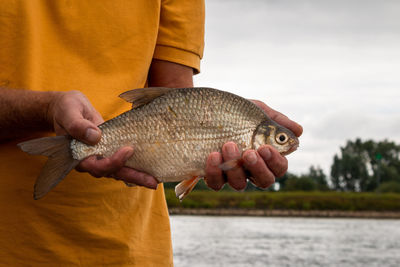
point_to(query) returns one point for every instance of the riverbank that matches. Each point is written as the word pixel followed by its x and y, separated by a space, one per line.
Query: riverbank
pixel 286 204
pixel 287 213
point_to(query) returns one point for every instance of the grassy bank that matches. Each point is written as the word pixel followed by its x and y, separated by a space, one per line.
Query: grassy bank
pixel 300 201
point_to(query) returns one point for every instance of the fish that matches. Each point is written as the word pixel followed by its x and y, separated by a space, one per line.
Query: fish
pixel 173 130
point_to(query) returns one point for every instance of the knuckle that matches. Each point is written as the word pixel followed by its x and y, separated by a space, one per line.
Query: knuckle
pixel 70 96
pixel 213 173
pixel 73 127
pixel 279 166
pixel 116 163
pixel 109 165
pixel 134 177
pixel 101 169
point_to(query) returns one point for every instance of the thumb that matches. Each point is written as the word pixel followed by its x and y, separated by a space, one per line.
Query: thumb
pixel 84 130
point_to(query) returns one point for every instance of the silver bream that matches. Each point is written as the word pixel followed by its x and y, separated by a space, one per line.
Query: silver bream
pixel 172 131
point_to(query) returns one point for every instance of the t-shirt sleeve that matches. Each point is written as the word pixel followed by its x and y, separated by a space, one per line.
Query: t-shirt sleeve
pixel 181 32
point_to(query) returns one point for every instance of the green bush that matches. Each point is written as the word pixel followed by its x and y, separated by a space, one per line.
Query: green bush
pixel 300 184
pixel 389 187
pixel 247 204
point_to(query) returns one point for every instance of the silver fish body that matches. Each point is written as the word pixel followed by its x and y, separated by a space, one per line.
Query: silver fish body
pixel 174 130
pixel 173 135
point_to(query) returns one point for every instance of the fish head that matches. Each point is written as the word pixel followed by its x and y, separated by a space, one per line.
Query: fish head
pixel 271 133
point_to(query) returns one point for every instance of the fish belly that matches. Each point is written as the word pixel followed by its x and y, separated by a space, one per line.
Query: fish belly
pixel 176 161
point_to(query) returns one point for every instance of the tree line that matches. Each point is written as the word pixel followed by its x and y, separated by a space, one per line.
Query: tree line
pixel 360 166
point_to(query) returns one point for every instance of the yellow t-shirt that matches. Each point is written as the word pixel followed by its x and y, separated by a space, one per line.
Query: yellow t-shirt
pixel 101 48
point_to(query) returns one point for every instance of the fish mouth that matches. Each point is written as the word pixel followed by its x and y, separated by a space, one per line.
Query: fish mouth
pixel 292 149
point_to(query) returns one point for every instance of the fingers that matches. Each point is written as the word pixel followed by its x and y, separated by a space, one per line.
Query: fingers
pixel 106 166
pixel 135 177
pixel 73 114
pixel 214 177
pixel 82 129
pixel 261 175
pixel 114 167
pixel 280 118
pixel 91 114
pixel 236 177
pixel 75 124
pixel 275 162
pixel 263 165
pixel 283 120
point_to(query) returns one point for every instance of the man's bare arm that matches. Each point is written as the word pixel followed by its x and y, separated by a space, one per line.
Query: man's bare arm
pixel 23 111
pixel 168 74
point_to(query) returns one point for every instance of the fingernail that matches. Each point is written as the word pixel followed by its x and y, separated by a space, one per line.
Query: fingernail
pixel 265 153
pixel 154 186
pixel 151 183
pixel 251 158
pixel 128 154
pixel 92 135
pixel 215 160
pixel 232 150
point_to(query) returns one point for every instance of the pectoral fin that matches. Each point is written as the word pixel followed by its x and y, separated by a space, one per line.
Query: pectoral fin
pixel 231 164
pixel 185 187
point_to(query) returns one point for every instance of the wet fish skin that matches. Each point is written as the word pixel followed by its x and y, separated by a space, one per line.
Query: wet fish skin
pixel 174 130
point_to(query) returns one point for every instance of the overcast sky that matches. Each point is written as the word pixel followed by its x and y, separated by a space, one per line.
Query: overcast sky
pixel 333 66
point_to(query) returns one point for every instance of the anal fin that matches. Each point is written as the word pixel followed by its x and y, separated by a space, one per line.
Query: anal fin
pixel 185 187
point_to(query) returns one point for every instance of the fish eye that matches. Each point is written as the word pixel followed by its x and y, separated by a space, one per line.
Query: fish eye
pixel 281 138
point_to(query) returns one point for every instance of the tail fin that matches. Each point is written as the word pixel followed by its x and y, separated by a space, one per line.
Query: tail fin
pixel 59 164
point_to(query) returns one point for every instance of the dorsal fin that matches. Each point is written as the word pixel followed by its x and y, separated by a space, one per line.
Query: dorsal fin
pixel 142 96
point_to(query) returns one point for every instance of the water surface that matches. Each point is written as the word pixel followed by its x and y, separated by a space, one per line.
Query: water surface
pixel 264 241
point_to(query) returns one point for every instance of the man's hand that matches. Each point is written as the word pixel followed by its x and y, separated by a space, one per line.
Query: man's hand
pixel 264 164
pixel 72 113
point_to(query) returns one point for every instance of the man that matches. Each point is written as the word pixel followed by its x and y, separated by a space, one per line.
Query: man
pixel 62 64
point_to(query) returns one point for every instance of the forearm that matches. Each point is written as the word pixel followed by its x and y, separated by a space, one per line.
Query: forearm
pixel 168 74
pixel 23 112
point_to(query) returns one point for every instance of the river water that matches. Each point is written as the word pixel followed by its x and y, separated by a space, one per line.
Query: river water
pixel 271 241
